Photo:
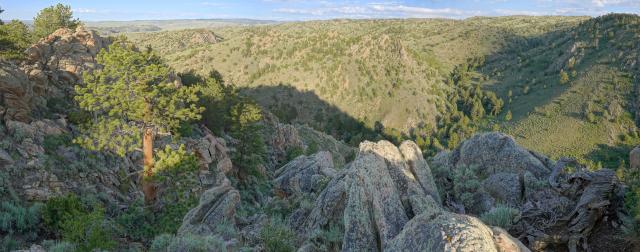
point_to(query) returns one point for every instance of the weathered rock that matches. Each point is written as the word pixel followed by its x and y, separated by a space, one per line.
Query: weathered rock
pixel 16 93
pixel 217 207
pixel 305 174
pixel 446 231
pixel 504 187
pixel 283 137
pixel 5 158
pixel 493 153
pixel 634 158
pixel 386 200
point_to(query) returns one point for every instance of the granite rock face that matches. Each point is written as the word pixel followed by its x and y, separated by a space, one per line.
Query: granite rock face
pixel 387 200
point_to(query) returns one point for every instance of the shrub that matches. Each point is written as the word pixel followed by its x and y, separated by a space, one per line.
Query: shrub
pixel 294 152
pixel 52 142
pixel 89 230
pixel 15 219
pixel 59 209
pixel 59 246
pixel 501 216
pixel 196 243
pixel 277 236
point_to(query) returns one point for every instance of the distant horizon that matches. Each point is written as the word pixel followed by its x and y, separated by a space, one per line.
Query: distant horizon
pixel 298 10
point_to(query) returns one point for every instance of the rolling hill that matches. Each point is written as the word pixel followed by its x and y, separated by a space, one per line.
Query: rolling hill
pixel 399 74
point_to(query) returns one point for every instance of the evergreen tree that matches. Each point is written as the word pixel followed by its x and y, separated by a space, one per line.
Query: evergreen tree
pixel 133 97
pixel 245 127
pixel 52 18
pixel 564 77
pixel 508 116
pixel 14 39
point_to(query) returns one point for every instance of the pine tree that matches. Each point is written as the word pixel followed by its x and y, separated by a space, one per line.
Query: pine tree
pixel 508 116
pixel 132 98
pixel 564 77
pixel 52 18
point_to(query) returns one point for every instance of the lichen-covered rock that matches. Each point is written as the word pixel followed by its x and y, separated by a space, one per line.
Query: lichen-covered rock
pixel 16 93
pixel 5 158
pixel 504 187
pixel 305 174
pixel 217 207
pixel 386 200
pixel 634 158
pixel 493 153
pixel 447 231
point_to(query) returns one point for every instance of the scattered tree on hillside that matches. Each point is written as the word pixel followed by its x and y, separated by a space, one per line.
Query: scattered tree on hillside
pixel 564 77
pixel 52 18
pixel 245 127
pixel 508 116
pixel 133 98
pixel 227 111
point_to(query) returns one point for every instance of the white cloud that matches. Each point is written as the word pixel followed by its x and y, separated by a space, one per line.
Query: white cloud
pixel 84 10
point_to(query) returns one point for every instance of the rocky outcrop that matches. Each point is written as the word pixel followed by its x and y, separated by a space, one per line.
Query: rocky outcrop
pixel 386 200
pixel 305 174
pixel 53 66
pixel 16 93
pixel 492 153
pixel 452 232
pixel 282 138
pixel 559 210
pixel 217 207
pixel 64 55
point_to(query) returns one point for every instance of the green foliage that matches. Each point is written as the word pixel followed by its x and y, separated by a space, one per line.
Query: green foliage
pixel 19 220
pixel 294 152
pixel 86 227
pixel 508 116
pixel 52 142
pixel 52 18
pixel 277 236
pixel 246 128
pixel 89 230
pixel 170 163
pixel 501 216
pixel 197 243
pixel 59 209
pixel 564 77
pixel 14 39
pixel 329 239
pixel 133 90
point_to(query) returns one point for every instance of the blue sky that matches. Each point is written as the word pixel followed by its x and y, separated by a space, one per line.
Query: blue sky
pixel 316 9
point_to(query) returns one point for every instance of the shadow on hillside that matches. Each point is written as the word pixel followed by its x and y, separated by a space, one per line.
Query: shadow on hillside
pixel 611 156
pixel 527 69
pixel 291 105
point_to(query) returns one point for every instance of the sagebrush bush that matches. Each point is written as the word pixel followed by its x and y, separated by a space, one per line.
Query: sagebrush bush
pixel 196 243
pixel 501 216
pixel 16 219
pixel 276 236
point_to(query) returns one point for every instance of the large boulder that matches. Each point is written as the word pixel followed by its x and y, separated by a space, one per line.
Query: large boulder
pixel 217 207
pixel 447 231
pixel 305 174
pixel 492 153
pixel 386 200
